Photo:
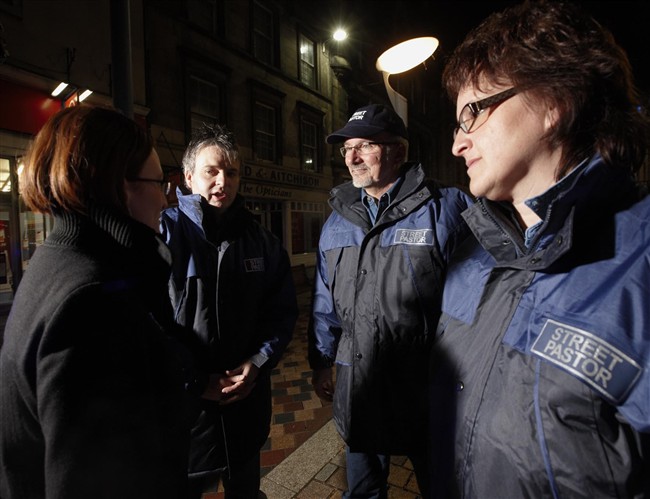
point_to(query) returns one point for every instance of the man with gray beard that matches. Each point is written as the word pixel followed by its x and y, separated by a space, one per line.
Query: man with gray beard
pixel 381 260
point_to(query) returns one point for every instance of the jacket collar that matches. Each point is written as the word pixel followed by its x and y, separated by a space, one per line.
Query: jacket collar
pixel 346 199
pixel 112 235
pixel 235 218
pixel 190 205
pixel 593 195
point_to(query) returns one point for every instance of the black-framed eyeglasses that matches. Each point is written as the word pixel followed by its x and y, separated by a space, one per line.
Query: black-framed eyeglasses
pixel 363 148
pixel 473 114
pixel 165 185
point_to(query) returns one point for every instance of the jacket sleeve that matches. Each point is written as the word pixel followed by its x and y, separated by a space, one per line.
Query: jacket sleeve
pixel 280 310
pixel 451 229
pixel 324 328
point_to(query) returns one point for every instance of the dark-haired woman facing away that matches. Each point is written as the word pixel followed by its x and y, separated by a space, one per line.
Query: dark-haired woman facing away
pixel 91 393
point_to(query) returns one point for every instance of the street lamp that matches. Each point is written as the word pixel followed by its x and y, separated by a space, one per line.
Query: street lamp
pixel 400 58
pixel 339 35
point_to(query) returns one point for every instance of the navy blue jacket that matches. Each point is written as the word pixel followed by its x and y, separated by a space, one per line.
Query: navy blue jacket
pixel 235 291
pixel 548 349
pixel 376 305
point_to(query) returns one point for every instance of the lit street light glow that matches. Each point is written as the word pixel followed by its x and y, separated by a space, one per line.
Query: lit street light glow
pixel 402 57
pixel 340 35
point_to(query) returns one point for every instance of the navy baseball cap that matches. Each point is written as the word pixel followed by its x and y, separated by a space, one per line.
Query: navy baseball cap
pixel 368 121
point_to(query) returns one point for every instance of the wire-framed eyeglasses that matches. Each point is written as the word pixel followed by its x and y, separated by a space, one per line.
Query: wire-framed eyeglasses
pixel 363 148
pixel 165 185
pixel 473 114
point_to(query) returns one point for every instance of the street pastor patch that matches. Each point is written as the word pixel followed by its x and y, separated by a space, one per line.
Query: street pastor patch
pixel 254 265
pixel 414 236
pixel 593 360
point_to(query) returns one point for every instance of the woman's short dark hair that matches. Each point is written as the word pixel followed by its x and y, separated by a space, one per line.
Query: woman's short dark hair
pixel 565 58
pixel 83 154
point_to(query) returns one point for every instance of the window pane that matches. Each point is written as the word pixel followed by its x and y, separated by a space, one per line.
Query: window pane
pixel 262 33
pixel 309 147
pixel 265 135
pixel 307 61
pixel 306 50
pixel 203 13
pixel 205 98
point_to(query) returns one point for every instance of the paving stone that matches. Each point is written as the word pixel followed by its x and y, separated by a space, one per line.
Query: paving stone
pixel 326 472
pixel 315 490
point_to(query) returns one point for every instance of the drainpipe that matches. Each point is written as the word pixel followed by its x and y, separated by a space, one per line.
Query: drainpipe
pixel 121 56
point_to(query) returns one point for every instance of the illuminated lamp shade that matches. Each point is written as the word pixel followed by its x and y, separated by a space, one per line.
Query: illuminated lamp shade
pixel 400 58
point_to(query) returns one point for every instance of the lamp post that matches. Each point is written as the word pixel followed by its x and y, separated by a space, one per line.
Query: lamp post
pixel 400 58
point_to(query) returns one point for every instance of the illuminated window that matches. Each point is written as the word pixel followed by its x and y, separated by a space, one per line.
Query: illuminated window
pixel 5 175
pixel 311 138
pixel 307 52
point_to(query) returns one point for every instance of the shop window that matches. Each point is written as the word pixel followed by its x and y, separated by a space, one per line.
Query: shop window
pixel 5 175
pixel 306 224
pixel 268 214
pixel 21 230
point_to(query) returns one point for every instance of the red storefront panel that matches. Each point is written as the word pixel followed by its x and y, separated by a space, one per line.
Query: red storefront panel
pixel 23 109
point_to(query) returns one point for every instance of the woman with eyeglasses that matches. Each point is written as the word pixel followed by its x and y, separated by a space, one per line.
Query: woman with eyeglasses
pixel 91 391
pixel 542 385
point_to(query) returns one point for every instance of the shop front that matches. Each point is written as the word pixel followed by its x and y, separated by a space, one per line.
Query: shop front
pixel 292 205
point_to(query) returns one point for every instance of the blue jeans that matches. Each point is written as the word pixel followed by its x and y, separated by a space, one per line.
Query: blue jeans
pixel 368 474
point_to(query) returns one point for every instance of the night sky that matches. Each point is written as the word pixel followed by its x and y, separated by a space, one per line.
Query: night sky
pixel 379 24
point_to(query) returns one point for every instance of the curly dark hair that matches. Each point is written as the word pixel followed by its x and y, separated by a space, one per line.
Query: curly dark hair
pixel 562 56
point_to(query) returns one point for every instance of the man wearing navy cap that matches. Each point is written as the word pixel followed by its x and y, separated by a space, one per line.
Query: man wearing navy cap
pixel 381 260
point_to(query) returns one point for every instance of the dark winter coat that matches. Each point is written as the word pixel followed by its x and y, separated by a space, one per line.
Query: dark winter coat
pixel 548 348
pixel 376 305
pixel 91 392
pixel 234 290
